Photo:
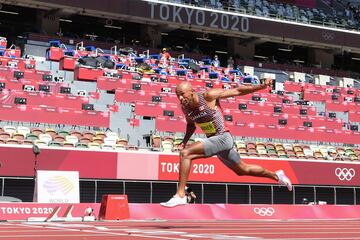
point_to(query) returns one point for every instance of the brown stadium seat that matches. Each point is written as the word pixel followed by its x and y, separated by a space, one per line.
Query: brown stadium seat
pixel 122 141
pixel 18 136
pixel 13 141
pixel 76 134
pixel 5 135
pixel 98 140
pixel 37 131
pixel 51 132
pixel 85 140
pixel 59 138
pixel 27 142
pixel 101 135
pixel 89 135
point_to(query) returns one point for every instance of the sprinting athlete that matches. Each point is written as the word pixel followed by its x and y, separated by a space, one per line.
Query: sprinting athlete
pixel 202 109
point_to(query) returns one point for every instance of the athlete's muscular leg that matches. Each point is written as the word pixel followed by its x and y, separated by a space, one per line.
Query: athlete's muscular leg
pixel 194 151
pixel 231 159
pixel 253 170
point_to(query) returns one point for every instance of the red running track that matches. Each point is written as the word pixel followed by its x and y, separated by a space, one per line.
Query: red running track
pixel 181 230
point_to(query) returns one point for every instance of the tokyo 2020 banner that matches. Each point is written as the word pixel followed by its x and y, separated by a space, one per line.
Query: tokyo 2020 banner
pixel 213 19
pixel 132 165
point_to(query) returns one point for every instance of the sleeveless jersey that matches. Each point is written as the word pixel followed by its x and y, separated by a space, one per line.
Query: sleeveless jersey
pixel 211 121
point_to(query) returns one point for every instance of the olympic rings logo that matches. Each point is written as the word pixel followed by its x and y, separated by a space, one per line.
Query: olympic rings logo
pixel 269 211
pixel 328 36
pixel 345 173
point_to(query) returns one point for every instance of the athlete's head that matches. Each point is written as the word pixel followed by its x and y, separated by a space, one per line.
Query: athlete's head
pixel 185 94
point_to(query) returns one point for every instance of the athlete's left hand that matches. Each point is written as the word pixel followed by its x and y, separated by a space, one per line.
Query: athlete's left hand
pixel 181 146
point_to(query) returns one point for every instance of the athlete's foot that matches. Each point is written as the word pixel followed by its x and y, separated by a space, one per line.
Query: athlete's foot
pixel 176 200
pixel 283 179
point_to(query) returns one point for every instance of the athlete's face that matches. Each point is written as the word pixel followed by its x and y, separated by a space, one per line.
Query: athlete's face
pixel 185 94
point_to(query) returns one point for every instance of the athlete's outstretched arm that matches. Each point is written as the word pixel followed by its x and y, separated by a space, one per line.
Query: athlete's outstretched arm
pixel 218 93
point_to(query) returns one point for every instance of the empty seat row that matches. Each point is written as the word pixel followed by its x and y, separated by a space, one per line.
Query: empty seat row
pixel 275 150
pixel 50 137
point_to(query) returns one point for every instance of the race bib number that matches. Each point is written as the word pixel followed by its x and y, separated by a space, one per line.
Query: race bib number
pixel 207 127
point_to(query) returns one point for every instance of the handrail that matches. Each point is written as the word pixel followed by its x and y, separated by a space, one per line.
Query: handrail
pixel 147 53
pixel 97 50
pixel 182 56
pixel 115 50
pixel 12 47
pixel 63 46
pixel 80 46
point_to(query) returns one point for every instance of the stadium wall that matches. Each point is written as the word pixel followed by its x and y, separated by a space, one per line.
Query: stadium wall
pixel 152 177
pixel 165 167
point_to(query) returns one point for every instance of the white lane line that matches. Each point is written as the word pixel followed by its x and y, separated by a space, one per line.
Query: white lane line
pixel 260 234
pixel 102 228
pixel 63 228
pixel 227 229
pixel 11 227
pixel 137 233
pixel 260 221
pixel 29 230
pixel 134 235
pixel 292 233
pixel 192 235
pixel 345 226
pixel 231 223
pixel 263 220
pixel 16 236
pixel 220 236
pixel 312 238
pixel 168 230
pixel 59 224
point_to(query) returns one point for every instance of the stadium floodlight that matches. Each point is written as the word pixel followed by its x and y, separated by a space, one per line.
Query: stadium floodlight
pixel 65 20
pixel 111 26
pixel 203 39
pixel 298 61
pixel 9 12
pixel 285 48
pixel 221 52
pixel 260 56
pixel 91 35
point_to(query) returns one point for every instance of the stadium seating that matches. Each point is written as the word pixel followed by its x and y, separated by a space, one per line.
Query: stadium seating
pixel 263 115
pixel 111 141
pixel 285 11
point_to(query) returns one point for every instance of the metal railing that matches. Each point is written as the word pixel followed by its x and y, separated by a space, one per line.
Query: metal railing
pixel 92 190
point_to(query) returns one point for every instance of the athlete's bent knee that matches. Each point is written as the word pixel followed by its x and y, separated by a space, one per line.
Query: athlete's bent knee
pixel 184 153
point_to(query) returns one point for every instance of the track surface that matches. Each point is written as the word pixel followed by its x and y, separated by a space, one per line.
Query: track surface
pixel 181 230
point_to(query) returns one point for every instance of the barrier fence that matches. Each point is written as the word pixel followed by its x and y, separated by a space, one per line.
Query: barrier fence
pixel 150 177
pixel 92 190
pixel 153 166
pixel 44 212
